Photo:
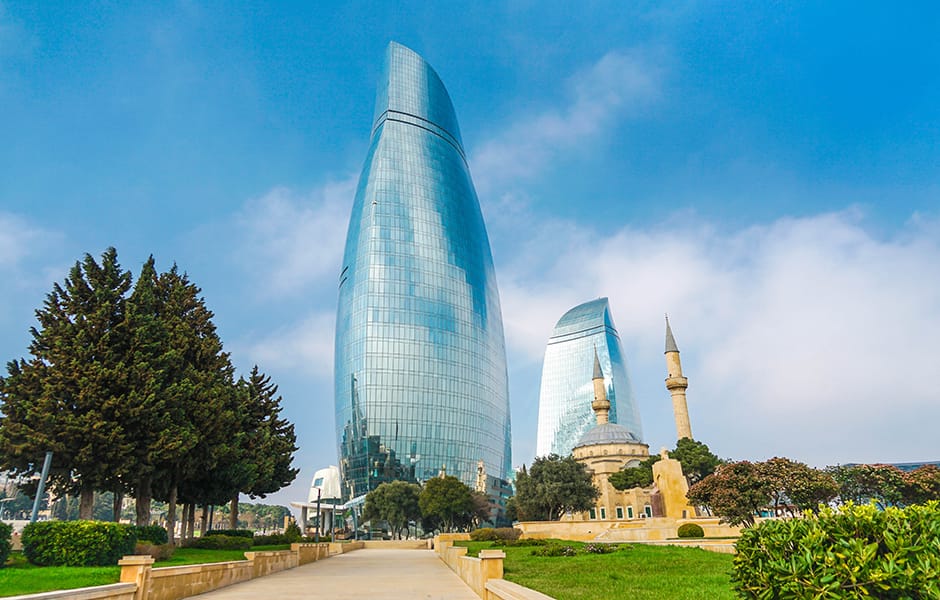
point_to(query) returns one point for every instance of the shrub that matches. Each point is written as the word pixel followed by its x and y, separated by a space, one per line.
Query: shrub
pixel 292 533
pixel 518 543
pixel 6 535
pixel 220 542
pixel 488 534
pixel 76 543
pixel 246 533
pixel 691 530
pixel 157 551
pixel 150 533
pixel 274 539
pixel 485 534
pixel 850 552
pixel 554 550
pixel 600 548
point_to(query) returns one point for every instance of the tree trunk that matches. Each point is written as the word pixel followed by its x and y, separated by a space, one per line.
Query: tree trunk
pixel 184 521
pixel 191 521
pixel 142 501
pixel 203 520
pixel 233 513
pixel 116 506
pixel 171 515
pixel 86 504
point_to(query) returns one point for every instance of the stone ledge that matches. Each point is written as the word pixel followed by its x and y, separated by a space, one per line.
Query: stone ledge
pixel 112 591
pixel 500 589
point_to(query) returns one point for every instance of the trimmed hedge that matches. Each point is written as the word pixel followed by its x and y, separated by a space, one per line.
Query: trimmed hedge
pixel 690 530
pixel 151 533
pixel 77 543
pixel 157 551
pixel 247 533
pixel 488 534
pixel 850 552
pixel 6 536
pixel 220 542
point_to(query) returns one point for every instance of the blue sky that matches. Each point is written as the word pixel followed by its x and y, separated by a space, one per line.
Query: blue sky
pixel 767 173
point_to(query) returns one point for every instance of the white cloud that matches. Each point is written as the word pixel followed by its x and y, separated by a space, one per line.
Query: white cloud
pixel 618 85
pixel 296 240
pixel 16 239
pixel 808 337
pixel 305 347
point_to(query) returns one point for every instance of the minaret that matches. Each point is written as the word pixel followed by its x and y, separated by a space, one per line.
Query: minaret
pixel 601 404
pixel 677 384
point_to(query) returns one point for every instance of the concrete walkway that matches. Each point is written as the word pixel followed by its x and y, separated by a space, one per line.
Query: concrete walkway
pixel 358 575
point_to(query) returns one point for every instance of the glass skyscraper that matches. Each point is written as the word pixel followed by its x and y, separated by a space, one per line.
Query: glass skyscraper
pixel 420 372
pixel 567 391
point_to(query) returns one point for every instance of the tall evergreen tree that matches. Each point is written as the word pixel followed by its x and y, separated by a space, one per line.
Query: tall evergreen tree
pixel 69 396
pixel 269 440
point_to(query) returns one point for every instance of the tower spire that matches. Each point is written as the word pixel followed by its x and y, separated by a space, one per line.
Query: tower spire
pixel 677 384
pixel 600 405
pixel 670 340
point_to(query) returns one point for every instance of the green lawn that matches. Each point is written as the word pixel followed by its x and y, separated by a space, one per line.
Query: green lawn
pixel 635 571
pixel 20 577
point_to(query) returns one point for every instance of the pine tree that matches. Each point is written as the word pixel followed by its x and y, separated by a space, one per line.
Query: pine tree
pixel 69 396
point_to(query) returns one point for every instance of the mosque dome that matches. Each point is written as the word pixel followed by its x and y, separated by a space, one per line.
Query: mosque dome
pixel 608 433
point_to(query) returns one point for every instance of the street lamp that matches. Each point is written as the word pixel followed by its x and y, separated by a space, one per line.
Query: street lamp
pixel 317 538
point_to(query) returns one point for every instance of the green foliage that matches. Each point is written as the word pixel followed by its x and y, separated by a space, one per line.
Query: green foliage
pixel 397 503
pixel 521 542
pixel 246 533
pixel 77 543
pixel 70 395
pixel 292 533
pixel 698 462
pixel 272 539
pixel 220 542
pixel 735 492
pixel 488 534
pixel 600 548
pixel 6 543
pixel 922 485
pixel 803 486
pixel 160 552
pixel 849 552
pixel 553 486
pixel 150 533
pixel 690 530
pixel 554 550
pixel 445 501
pixel 632 477
pixel 860 483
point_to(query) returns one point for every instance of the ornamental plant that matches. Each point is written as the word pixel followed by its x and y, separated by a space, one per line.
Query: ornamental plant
pixel 690 530
pixel 77 543
pixel 846 552
pixel 220 542
pixel 6 535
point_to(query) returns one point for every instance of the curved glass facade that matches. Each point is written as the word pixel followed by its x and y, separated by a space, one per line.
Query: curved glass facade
pixel 420 372
pixel 567 390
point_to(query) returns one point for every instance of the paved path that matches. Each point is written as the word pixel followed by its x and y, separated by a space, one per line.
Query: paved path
pixel 358 575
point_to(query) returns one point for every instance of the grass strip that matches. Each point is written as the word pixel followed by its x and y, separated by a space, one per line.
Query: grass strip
pixel 635 571
pixel 20 577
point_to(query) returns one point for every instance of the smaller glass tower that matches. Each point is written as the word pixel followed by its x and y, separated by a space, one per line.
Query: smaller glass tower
pixel 566 393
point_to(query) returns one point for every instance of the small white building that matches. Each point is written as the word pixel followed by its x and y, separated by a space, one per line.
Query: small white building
pixel 325 496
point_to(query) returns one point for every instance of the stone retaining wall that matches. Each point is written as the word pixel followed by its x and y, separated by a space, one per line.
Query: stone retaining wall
pixel 140 581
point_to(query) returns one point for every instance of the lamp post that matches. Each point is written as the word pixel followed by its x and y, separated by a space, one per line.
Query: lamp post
pixel 317 538
pixel 42 486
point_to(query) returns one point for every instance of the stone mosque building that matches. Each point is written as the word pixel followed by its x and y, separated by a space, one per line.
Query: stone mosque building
pixel 609 447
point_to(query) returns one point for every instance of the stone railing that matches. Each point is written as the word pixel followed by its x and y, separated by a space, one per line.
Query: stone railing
pixel 140 581
pixel 484 575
